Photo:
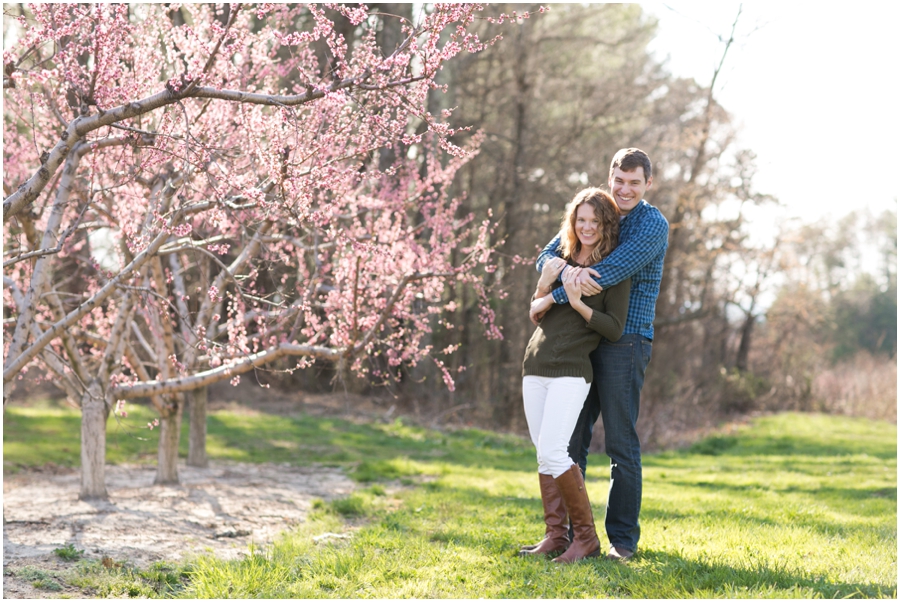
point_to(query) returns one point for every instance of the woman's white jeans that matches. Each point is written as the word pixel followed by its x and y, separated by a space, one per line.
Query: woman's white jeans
pixel 552 406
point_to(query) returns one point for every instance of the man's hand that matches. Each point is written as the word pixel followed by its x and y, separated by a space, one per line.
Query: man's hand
pixel 539 307
pixel 589 286
pixel 549 274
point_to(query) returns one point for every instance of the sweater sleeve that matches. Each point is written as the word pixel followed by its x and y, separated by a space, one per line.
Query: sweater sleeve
pixel 611 323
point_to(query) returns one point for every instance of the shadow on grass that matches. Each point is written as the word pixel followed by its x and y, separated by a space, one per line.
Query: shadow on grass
pixel 823 527
pixel 794 445
pixel 653 574
pixel 302 439
pixel 867 502
pixel 676 576
pixel 528 511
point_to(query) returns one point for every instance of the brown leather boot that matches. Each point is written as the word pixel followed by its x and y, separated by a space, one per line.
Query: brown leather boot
pixel 556 537
pixel 586 544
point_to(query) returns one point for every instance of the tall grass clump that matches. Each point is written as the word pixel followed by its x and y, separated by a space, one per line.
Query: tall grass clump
pixel 864 385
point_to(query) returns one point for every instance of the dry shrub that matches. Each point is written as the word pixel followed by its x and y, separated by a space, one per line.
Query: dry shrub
pixel 864 385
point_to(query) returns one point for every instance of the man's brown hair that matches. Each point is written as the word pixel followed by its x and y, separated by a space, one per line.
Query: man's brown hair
pixel 628 159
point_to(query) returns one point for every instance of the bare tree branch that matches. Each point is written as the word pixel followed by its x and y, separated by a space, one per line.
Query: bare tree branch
pixel 202 379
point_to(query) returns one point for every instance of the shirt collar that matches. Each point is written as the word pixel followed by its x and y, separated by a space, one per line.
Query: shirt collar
pixel 637 209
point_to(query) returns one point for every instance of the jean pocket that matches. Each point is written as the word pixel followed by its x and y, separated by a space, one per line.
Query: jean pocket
pixel 646 351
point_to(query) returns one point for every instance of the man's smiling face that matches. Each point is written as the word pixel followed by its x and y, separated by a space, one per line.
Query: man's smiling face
pixel 628 187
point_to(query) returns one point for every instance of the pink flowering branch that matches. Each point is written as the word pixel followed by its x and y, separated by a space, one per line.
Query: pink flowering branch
pixel 235 9
pixel 385 314
pixel 288 186
pixel 28 192
pixel 40 277
pixel 190 88
pixel 66 374
pixel 15 364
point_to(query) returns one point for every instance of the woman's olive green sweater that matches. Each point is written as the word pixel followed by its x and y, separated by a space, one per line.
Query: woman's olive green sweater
pixel 563 340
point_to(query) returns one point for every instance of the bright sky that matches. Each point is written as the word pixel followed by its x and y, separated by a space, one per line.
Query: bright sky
pixel 814 86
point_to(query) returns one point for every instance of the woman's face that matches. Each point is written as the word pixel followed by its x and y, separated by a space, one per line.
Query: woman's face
pixel 587 226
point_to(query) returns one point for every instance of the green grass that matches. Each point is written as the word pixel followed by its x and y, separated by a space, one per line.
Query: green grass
pixel 107 579
pixel 792 506
pixel 48 433
pixel 69 552
pixel 40 579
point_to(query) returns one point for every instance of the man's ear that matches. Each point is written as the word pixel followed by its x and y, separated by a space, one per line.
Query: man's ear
pixel 649 182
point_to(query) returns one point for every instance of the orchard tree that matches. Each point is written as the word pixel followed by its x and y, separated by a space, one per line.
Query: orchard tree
pixel 195 191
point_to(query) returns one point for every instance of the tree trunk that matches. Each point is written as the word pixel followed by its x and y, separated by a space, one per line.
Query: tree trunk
pixel 169 433
pixel 197 440
pixel 516 327
pixel 743 356
pixel 94 412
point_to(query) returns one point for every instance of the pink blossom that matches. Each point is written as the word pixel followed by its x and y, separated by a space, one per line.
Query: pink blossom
pixel 248 177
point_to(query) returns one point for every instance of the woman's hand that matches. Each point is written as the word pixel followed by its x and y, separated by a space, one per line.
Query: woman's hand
pixel 549 274
pixel 575 290
pixel 539 307
pixel 572 284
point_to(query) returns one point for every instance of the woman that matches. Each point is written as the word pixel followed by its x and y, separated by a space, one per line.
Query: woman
pixel 557 371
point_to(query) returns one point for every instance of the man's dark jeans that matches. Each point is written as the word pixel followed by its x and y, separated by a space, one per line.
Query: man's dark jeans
pixel 616 395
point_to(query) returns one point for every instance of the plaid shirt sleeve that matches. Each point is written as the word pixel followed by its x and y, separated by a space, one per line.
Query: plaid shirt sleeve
pixel 635 252
pixel 551 250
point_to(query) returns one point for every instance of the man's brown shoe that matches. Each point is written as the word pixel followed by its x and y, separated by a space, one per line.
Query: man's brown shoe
pixel 619 554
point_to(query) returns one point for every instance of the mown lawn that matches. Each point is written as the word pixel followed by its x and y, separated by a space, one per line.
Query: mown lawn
pixel 790 506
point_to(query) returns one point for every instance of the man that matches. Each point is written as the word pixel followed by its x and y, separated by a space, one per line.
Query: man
pixel 619 367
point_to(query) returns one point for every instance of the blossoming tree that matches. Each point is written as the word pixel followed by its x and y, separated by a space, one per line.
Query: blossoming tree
pixel 194 192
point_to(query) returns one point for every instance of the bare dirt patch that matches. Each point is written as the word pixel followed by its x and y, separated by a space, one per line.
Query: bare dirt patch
pixel 218 510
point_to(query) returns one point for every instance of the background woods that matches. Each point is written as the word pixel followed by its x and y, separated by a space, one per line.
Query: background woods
pixel 195 193
pixel 554 101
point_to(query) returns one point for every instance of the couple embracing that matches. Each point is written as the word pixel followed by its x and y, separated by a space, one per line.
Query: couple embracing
pixel 594 308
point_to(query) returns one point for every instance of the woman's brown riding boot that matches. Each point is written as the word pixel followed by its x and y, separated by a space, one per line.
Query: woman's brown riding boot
pixel 585 543
pixel 556 537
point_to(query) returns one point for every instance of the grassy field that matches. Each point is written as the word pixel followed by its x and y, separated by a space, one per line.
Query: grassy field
pixel 789 506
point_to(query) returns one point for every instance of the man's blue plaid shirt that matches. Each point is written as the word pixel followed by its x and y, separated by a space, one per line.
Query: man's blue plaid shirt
pixel 643 240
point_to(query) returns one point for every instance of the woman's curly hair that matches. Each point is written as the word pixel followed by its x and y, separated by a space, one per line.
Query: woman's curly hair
pixel 607 213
